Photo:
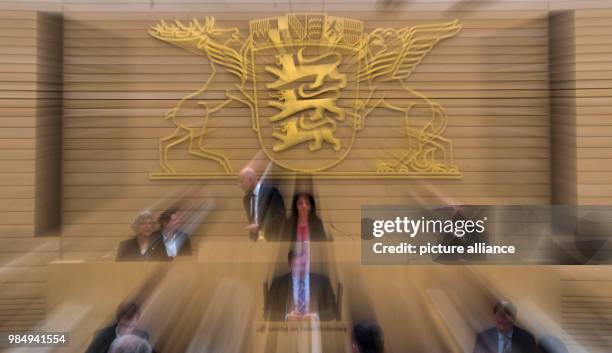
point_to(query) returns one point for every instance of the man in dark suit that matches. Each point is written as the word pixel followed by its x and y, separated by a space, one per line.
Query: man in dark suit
pixel 300 294
pixel 125 324
pixel 505 337
pixel 175 242
pixel 264 206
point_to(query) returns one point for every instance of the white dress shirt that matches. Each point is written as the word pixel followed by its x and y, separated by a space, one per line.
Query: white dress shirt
pixel 500 341
pixel 171 244
pixel 255 203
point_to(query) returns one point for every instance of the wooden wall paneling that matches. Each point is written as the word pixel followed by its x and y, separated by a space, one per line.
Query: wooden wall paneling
pixel 492 78
pixel 30 117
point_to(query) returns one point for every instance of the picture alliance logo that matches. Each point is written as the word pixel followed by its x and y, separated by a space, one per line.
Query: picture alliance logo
pixel 412 227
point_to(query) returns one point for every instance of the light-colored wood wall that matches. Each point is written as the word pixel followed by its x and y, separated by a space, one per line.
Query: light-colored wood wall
pixel 586 298
pixel 492 78
pixel 593 109
pixel 563 107
pixel 30 120
pixel 49 124
pixel 581 113
pixel 580 109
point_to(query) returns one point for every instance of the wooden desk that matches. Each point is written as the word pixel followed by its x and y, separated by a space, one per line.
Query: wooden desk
pixel 301 337
pixel 430 308
pixel 266 252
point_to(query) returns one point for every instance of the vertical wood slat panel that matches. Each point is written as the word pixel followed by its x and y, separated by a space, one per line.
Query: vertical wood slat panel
pixel 586 307
pixel 593 111
pixel 30 117
pixel 112 65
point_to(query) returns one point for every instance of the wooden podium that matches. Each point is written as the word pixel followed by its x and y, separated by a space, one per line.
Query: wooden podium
pixel 310 336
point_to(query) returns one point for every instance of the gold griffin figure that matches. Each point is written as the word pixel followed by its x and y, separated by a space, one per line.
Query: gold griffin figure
pixel 392 55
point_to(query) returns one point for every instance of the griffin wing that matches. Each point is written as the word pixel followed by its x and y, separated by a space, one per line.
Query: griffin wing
pixel 393 54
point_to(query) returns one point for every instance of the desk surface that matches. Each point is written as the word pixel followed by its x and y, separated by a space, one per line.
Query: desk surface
pixel 271 252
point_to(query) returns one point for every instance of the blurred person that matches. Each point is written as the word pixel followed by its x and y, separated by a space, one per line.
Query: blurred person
pixel 367 338
pixel 300 294
pixel 145 246
pixel 505 337
pixel 264 206
pixel 551 344
pixel 304 224
pixel 175 241
pixel 130 344
pixel 126 321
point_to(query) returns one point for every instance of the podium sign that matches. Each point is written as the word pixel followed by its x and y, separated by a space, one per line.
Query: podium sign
pixel 310 336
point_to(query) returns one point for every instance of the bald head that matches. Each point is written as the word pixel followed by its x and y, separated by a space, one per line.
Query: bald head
pixel 130 344
pixel 248 179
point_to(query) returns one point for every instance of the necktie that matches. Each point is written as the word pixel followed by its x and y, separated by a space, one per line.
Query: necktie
pixel 506 348
pixel 301 304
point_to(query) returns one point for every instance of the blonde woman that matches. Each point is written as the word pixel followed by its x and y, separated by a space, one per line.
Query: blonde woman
pixel 145 246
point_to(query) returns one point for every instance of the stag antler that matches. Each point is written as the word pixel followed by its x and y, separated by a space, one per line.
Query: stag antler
pixel 178 30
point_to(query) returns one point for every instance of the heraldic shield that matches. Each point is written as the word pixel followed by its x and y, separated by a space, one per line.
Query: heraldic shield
pixel 305 88
pixel 319 95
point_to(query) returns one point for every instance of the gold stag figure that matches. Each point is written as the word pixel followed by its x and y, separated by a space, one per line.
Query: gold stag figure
pixel 218 46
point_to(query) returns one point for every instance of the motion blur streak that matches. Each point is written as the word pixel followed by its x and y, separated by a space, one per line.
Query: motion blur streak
pixel 225 324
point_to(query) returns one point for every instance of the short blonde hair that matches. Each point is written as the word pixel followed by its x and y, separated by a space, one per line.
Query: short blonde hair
pixel 140 218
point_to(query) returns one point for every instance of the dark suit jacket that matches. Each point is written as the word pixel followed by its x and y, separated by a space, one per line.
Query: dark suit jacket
pixel 129 250
pixel 271 209
pixel 184 245
pixel 522 341
pixel 280 298
pixel 104 338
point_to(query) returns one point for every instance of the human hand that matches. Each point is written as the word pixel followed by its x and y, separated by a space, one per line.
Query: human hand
pixel 295 315
pixel 253 228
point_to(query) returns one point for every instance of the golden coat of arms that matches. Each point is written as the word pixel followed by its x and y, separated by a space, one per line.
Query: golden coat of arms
pixel 313 85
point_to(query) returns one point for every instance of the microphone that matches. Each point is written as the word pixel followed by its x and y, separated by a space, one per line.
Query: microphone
pixel 335 229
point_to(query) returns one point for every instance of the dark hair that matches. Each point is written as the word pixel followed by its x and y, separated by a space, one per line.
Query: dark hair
pixel 127 310
pixel 313 205
pixel 165 216
pixel 507 307
pixel 368 338
pixel 312 216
